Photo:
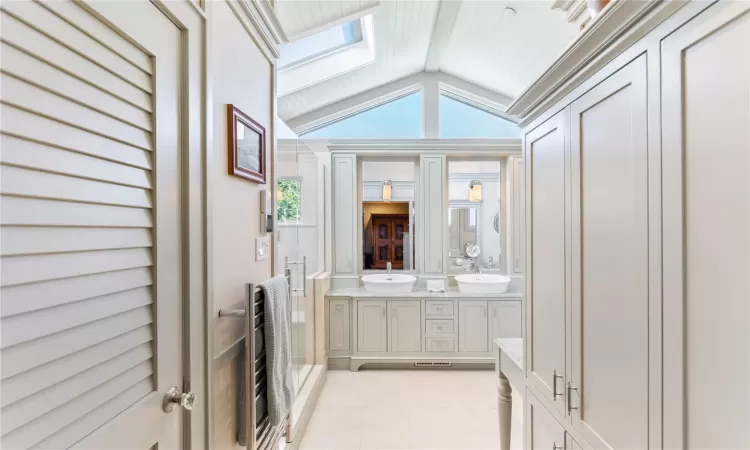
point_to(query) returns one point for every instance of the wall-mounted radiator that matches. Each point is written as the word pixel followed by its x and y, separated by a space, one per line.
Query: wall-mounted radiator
pixel 259 434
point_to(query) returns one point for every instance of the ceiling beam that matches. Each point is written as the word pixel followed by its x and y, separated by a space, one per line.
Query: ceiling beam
pixel 441 33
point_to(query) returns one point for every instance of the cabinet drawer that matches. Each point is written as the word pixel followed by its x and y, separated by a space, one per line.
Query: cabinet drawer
pixel 439 344
pixel 439 307
pixel 440 326
pixel 543 431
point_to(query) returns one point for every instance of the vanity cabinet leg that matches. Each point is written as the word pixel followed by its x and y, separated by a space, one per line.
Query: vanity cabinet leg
pixel 504 409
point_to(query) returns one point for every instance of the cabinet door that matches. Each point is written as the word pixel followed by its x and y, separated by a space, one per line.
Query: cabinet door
pixel 433 207
pixel 706 217
pixel 338 325
pixel 548 244
pixel 382 237
pixel 609 182
pixel 399 227
pixel 517 219
pixel 505 319
pixel 543 432
pixel 472 326
pixel 344 188
pixel 371 326
pixel 405 326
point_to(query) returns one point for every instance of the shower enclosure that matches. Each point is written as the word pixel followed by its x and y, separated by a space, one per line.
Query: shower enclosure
pixel 300 222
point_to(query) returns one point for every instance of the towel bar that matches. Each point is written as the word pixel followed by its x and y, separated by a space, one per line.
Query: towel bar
pixel 260 435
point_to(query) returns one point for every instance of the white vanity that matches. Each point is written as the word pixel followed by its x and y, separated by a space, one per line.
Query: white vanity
pixel 418 328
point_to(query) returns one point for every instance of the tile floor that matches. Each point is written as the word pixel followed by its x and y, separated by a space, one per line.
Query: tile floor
pixel 405 410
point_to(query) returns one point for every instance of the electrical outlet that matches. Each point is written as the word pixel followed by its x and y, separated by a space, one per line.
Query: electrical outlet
pixel 262 248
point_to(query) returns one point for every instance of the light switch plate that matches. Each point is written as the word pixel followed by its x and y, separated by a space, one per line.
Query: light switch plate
pixel 262 248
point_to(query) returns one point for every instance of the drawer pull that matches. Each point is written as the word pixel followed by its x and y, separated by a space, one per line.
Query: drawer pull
pixel 555 376
pixel 440 326
pixel 570 398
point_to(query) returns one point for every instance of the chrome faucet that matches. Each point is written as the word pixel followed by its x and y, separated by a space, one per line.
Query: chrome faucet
pixel 388 269
pixel 476 266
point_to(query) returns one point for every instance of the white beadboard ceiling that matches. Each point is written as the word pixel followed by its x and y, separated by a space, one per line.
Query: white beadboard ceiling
pixel 486 46
pixel 503 52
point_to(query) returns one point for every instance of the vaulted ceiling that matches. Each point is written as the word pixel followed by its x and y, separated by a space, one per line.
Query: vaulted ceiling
pixel 499 45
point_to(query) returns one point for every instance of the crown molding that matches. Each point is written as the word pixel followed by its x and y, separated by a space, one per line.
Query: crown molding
pixel 619 25
pixel 412 147
pixel 263 19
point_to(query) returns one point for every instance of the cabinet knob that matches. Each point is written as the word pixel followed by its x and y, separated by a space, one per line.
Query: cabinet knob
pixel 440 326
pixel 338 308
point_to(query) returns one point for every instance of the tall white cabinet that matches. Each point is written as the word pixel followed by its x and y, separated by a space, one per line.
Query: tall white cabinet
pixel 637 185
pixel 705 117
pixel 433 204
pixel 546 288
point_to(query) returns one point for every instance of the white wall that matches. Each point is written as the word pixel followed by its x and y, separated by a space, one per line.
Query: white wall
pixel 394 171
pixel 236 203
pixel 283 131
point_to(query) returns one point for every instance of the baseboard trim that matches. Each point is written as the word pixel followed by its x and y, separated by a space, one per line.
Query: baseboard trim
pixel 355 363
pixel 308 397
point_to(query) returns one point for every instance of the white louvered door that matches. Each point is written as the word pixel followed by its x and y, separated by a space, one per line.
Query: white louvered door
pixel 91 267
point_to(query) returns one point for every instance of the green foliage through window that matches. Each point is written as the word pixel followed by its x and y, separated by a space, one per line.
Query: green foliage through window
pixel 289 200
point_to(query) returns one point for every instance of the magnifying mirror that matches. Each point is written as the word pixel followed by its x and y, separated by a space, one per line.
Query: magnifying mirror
pixel 472 250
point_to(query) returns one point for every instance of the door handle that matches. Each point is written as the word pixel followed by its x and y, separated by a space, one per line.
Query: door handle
pixel 556 447
pixel 175 397
pixel 555 376
pixel 570 398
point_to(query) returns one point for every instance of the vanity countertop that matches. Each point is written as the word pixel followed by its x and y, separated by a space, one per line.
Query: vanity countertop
pixel 420 293
pixel 513 347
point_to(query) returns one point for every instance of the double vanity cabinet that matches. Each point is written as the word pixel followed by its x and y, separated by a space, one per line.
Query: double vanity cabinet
pixel 418 328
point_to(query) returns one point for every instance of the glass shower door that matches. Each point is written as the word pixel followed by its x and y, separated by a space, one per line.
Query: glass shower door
pixel 295 213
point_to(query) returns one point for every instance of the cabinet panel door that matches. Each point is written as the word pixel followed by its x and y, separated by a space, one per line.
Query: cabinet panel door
pixel 472 326
pixel 434 219
pixel 406 325
pixel 344 179
pixel 517 218
pixel 371 326
pixel 547 242
pixel 543 432
pixel 338 325
pixel 609 348
pixel 706 217
pixel 505 319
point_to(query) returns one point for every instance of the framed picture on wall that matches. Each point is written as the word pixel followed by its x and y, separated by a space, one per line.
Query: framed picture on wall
pixel 247 146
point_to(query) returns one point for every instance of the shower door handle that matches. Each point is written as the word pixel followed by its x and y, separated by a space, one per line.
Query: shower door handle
pixel 304 274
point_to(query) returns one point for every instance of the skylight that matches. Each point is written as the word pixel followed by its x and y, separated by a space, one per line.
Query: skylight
pixel 320 44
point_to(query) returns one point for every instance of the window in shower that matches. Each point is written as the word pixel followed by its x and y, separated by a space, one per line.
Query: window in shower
pixel 289 200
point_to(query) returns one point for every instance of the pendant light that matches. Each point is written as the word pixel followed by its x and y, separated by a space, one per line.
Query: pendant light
pixel 475 191
pixel 387 188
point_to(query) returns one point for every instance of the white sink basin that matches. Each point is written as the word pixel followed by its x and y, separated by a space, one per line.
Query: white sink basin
pixel 482 284
pixel 389 284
